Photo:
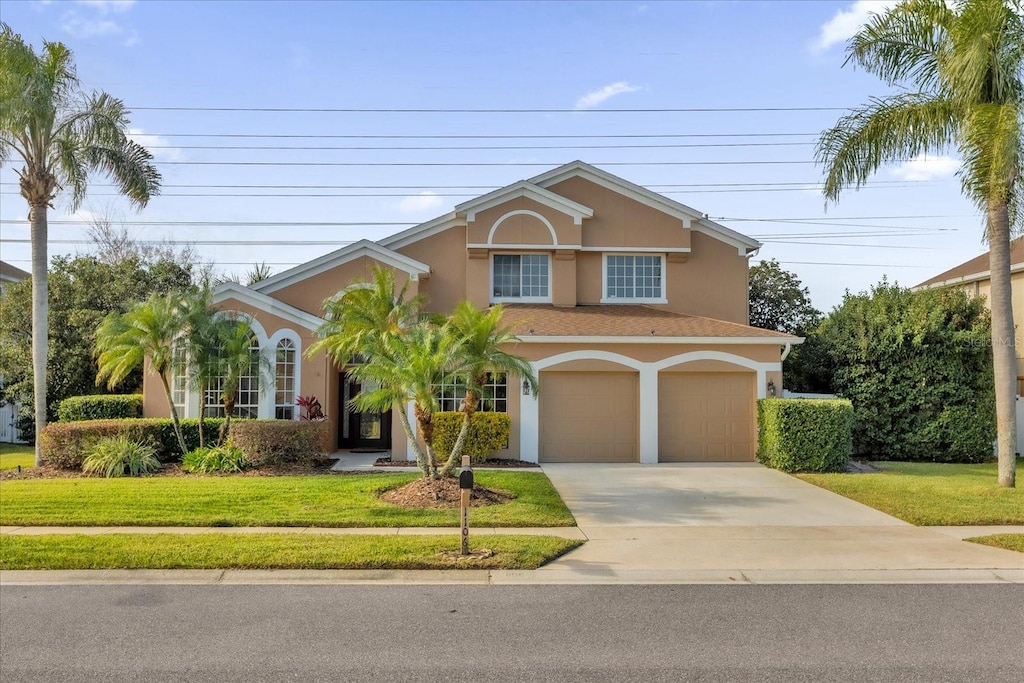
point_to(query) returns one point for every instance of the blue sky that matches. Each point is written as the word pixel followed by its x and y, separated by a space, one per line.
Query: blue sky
pixel 582 58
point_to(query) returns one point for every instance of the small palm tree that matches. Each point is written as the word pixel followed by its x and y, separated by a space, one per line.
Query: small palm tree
pixel 151 329
pixel 62 136
pixel 229 358
pixel 961 64
pixel 408 368
pixel 481 338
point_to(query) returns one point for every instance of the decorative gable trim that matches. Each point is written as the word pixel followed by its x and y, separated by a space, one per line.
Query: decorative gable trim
pixel 262 302
pixel 414 268
pixel 691 218
pixel 524 189
pixel 422 231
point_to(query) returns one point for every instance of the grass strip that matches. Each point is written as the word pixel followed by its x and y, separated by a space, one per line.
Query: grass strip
pixel 1007 541
pixel 272 551
pixel 319 500
pixel 931 494
pixel 12 455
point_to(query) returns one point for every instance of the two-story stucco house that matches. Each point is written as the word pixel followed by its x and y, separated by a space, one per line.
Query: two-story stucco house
pixel 631 307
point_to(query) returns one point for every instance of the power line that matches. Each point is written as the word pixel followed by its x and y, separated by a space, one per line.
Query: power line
pixel 856 265
pixel 395 110
pixel 423 148
pixel 482 187
pixel 474 164
pixel 581 136
pixel 281 224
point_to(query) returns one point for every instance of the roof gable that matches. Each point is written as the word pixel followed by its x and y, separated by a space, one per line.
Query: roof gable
pixel 526 189
pixel 262 302
pixel 976 268
pixel 690 217
pixel 414 268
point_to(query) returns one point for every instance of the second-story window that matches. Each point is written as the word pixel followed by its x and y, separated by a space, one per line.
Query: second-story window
pixel 521 277
pixel 634 277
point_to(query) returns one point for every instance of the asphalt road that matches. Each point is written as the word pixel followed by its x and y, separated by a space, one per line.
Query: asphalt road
pixel 516 633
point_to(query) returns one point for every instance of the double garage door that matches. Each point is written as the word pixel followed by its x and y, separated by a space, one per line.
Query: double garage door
pixel 593 417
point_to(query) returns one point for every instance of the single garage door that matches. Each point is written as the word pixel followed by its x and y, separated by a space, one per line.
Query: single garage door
pixel 706 417
pixel 588 417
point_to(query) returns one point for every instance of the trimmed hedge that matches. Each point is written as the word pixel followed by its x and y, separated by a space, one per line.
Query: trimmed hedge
pixel 100 407
pixel 65 444
pixel 804 435
pixel 281 442
pixel 488 432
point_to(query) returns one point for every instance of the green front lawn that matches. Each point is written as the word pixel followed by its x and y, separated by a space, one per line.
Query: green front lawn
pixel 272 551
pixel 1007 541
pixel 932 494
pixel 324 500
pixel 14 454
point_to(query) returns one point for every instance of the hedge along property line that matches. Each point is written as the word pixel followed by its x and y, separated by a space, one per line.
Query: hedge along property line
pixel 488 432
pixel 100 407
pixel 804 435
pixel 65 444
pixel 281 442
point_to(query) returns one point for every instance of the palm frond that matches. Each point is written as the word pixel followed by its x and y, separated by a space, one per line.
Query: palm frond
pixel 905 43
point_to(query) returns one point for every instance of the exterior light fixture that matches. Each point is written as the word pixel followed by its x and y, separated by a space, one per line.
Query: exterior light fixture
pixel 771 388
pixel 526 388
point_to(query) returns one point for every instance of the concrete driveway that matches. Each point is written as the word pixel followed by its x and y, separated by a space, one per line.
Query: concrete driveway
pixel 742 521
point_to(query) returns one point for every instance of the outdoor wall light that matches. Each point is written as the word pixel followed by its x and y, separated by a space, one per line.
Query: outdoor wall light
pixel 526 388
pixel 771 388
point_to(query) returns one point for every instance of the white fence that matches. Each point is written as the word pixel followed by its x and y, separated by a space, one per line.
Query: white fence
pixel 8 431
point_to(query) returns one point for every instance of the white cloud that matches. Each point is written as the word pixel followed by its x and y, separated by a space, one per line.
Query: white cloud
pixel 160 147
pixel 846 22
pixel 424 201
pixel 105 6
pixel 924 167
pixel 80 27
pixel 94 21
pixel 596 97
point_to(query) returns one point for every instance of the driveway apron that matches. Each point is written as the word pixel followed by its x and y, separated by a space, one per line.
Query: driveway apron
pixel 674 518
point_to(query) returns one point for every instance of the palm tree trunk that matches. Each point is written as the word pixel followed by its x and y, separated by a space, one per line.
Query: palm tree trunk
pixel 174 413
pixel 421 458
pixel 225 426
pixel 40 318
pixel 471 402
pixel 1004 356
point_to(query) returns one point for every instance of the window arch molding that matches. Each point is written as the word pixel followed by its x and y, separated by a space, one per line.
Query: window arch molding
pixel 270 350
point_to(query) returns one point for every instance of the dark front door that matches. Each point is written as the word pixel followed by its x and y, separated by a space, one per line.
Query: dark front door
pixel 361 430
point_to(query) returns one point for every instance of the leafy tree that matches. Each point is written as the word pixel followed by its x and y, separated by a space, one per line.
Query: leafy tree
pixel 959 67
pixel 62 136
pixel 151 330
pixel 778 301
pixel 82 291
pixel 479 353
pixel 917 367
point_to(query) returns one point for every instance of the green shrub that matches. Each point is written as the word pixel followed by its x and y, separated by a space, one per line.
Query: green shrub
pixel 804 435
pixel 65 444
pixel 225 458
pixel 100 407
pixel 488 432
pixel 121 456
pixel 281 442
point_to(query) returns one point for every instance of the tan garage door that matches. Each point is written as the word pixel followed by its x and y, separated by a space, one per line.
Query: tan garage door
pixel 706 417
pixel 588 416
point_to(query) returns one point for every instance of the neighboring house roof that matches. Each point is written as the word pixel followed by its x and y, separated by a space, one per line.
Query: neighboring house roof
pixel 633 323
pixel 691 218
pixel 338 257
pixel 267 304
pixel 975 269
pixel 9 273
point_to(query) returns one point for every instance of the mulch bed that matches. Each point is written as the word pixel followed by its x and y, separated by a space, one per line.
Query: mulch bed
pixel 493 463
pixel 442 494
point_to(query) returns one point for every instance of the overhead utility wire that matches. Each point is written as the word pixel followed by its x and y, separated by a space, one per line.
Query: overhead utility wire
pixel 510 110
pixel 475 187
pixel 580 136
pixel 423 148
pixel 475 163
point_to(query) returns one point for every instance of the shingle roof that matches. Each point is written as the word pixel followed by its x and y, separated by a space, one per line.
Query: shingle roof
pixel 976 266
pixel 546 320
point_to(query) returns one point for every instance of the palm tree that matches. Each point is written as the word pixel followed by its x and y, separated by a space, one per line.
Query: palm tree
pixel 407 368
pixel 960 65
pixel 480 353
pixel 62 136
pixel 151 329
pixel 231 361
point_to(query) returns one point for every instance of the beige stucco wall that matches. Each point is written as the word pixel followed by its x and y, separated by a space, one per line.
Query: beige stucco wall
pixel 523 228
pixel 309 294
pixel 445 252
pixel 983 288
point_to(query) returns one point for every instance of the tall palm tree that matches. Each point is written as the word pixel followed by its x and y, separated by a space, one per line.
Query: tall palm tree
pixel 62 136
pixel 960 65
pixel 152 329
pixel 407 368
pixel 480 353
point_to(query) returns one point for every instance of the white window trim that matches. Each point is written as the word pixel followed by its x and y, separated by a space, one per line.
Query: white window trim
pixel 520 299
pixel 605 299
pixel 293 336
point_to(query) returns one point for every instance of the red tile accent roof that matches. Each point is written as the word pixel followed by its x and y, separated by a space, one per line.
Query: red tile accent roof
pixel 622 320
pixel 978 264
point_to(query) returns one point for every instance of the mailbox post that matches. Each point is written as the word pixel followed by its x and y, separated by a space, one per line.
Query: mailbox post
pixel 466 487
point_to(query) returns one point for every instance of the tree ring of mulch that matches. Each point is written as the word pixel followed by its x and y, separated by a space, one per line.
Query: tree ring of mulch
pixel 443 494
pixel 457 556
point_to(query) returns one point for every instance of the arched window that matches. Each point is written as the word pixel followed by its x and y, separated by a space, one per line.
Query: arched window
pixel 247 397
pixel 284 372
